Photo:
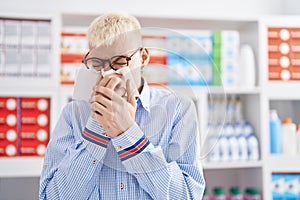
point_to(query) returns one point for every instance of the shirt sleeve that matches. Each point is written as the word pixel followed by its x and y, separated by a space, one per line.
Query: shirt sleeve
pixel 69 166
pixel 172 173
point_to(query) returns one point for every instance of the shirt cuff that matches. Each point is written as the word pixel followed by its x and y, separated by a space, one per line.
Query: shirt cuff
pixel 95 138
pixel 95 133
pixel 130 143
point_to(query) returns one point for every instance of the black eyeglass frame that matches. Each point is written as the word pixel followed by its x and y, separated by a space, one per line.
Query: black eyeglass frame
pixel 128 58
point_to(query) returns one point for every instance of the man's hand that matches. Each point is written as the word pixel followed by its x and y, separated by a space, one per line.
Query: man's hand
pixel 109 107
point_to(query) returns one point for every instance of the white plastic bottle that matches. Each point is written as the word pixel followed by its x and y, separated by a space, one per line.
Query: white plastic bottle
pixel 247 67
pixel 242 142
pixel 252 142
pixel 237 107
pixel 224 145
pixel 289 141
pixel 233 143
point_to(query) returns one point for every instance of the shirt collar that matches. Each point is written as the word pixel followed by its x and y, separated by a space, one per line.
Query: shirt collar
pixel 145 96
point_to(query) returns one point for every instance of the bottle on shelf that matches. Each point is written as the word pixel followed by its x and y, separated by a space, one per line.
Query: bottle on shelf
pixel 289 137
pixel 242 142
pixel 247 67
pixel 235 194
pixel 233 142
pixel 218 194
pixel 213 147
pixel 224 145
pixel 275 133
pixel 229 109
pixel 237 110
pixel 252 194
pixel 252 142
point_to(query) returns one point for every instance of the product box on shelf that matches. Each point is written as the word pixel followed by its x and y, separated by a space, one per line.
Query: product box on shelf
pixel 8 126
pixel 28 33
pixel 28 61
pixel 44 62
pixel 11 61
pixel 12 30
pixel 285 186
pixel 226 44
pixel 73 48
pixel 26 47
pixel 284 53
pixel 11 41
pixel 44 37
pixel 34 134
pixel 292 186
pixel 24 126
pixel 278 186
pixel 155 71
pixel 189 57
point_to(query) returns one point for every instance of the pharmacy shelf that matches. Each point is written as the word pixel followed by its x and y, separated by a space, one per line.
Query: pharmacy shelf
pixel 20 167
pixel 72 18
pixel 21 82
pixel 284 163
pixel 198 90
pixel 220 90
pixel 232 165
pixel 282 91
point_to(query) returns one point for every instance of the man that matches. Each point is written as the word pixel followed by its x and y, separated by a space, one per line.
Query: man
pixel 120 145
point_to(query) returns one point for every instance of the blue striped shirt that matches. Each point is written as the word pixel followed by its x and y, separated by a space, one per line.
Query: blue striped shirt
pixel 156 158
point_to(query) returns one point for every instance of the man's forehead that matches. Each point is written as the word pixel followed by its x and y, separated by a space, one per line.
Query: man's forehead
pixel 121 44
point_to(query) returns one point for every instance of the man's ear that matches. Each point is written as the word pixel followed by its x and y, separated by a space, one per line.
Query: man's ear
pixel 145 56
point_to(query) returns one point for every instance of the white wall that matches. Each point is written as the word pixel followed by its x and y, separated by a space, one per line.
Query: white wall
pixel 291 7
pixel 171 8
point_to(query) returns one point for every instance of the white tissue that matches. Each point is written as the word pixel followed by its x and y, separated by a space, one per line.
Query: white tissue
pixel 86 79
pixel 126 74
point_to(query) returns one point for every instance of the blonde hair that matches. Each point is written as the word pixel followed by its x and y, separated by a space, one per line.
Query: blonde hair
pixel 106 27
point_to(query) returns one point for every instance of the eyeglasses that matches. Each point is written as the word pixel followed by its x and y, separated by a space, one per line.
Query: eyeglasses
pixel 115 62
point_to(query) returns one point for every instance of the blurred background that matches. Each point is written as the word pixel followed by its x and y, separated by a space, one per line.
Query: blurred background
pixel 238 60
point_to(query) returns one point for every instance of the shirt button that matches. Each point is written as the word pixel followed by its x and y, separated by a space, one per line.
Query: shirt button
pixel 94 162
pixel 121 186
pixel 119 147
pixel 135 174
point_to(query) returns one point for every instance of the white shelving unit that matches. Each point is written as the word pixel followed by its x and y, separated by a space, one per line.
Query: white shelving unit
pixel 256 101
pixel 232 165
pixel 284 164
pixel 20 167
pixel 23 172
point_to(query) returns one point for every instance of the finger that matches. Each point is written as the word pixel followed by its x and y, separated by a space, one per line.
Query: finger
pixel 101 110
pixel 103 81
pixel 114 82
pixel 106 123
pixel 131 98
pixel 98 117
pixel 99 98
pixel 107 92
